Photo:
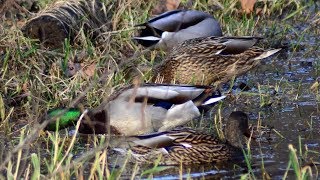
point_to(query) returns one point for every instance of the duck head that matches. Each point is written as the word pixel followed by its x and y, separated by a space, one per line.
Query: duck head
pixel 95 122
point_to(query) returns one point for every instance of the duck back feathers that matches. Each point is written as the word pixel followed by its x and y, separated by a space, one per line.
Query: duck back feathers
pixel 171 28
pixel 175 94
pixel 210 60
pixel 184 146
pixel 175 20
pixel 188 147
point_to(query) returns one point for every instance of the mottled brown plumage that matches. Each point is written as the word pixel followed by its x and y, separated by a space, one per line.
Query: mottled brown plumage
pixel 210 60
pixel 187 146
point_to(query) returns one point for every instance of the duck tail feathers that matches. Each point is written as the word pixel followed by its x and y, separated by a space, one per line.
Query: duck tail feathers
pixel 147 41
pixel 267 54
pixel 147 38
pixel 213 100
pixel 120 151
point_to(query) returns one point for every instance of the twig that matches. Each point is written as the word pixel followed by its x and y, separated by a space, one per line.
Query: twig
pixel 20 8
pixel 5 5
pixel 72 141
pixel 34 133
pixel 80 159
pixel 105 75
pixel 8 3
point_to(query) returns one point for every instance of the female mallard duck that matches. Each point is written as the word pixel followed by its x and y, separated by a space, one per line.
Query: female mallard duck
pixel 210 60
pixel 187 146
pixel 174 27
pixel 135 110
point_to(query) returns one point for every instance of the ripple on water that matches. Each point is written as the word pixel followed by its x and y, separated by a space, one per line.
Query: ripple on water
pixel 312 145
pixel 307 103
pixel 288 109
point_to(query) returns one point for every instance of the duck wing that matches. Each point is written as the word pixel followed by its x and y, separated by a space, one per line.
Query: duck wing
pixel 178 94
pixel 216 45
pixel 237 45
pixel 155 93
pixel 164 139
pixel 176 26
pixel 176 20
pixel 185 137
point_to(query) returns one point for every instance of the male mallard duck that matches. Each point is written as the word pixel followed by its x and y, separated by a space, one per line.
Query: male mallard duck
pixel 150 108
pixel 187 146
pixel 135 110
pixel 210 60
pixel 173 27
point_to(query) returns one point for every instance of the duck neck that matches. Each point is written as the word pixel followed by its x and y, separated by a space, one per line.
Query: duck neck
pixel 234 137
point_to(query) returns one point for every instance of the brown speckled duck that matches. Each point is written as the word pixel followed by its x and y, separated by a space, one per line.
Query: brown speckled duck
pixel 210 60
pixel 188 147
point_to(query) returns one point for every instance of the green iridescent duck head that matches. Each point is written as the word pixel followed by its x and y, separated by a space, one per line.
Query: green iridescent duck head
pixel 65 117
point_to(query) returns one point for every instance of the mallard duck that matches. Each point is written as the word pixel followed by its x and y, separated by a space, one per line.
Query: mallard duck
pixel 210 60
pixel 187 146
pixel 171 28
pixel 150 108
pixel 135 110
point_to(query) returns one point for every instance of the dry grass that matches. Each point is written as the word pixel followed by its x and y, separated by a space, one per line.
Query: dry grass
pixel 33 81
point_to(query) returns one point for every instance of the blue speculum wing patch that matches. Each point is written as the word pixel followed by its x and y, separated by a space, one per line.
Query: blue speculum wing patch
pixel 165 105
